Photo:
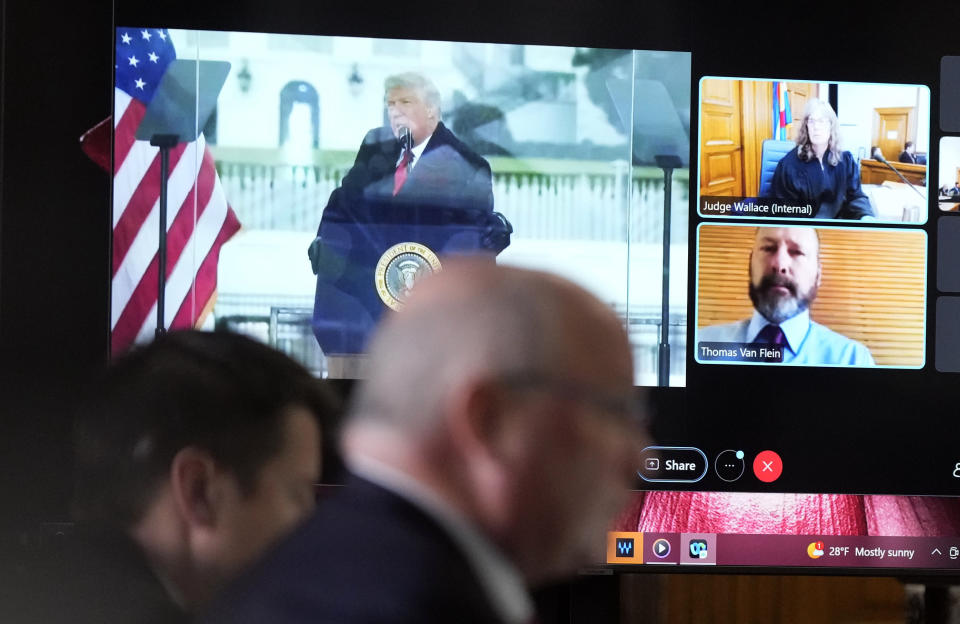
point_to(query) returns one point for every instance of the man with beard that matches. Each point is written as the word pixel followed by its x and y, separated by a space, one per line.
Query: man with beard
pixel 785 273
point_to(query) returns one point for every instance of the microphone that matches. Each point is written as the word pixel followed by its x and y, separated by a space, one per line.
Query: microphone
pixel 405 138
pixel 879 156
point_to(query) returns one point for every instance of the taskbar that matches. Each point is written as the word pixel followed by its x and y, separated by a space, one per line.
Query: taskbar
pixel 782 551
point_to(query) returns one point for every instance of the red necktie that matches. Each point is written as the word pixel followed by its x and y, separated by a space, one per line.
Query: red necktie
pixel 400 175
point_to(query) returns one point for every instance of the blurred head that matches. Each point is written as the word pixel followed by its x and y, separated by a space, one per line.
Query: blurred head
pixel 910 147
pixel 785 271
pixel 414 102
pixel 510 394
pixel 819 129
pixel 204 448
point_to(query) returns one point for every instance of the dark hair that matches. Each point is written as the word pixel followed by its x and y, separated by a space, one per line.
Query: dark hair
pixel 907 144
pixel 219 391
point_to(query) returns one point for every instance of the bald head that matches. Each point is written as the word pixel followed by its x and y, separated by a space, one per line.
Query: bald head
pixel 475 319
pixel 806 237
pixel 507 394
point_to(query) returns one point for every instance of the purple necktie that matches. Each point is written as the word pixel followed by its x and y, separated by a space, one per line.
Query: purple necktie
pixel 771 334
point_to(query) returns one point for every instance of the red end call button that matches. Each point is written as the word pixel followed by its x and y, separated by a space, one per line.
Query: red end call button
pixel 768 466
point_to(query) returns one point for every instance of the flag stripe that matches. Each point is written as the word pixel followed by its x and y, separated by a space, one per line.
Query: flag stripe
pixel 181 277
pixel 774 115
pixel 131 158
pixel 127 118
pixel 783 112
pixel 211 211
pixel 130 266
pixel 142 300
pixel 121 101
pixel 199 219
pixel 194 248
pixel 144 161
pixel 213 228
pixel 193 208
pixel 145 199
pixel 207 274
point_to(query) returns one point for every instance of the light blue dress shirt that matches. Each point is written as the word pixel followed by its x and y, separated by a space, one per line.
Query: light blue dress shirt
pixel 807 343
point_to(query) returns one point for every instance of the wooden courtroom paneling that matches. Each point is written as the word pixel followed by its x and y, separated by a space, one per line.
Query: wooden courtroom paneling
pixel 721 169
pixel 872 290
pixel 875 172
pixel 718 599
pixel 736 118
pixel 757 123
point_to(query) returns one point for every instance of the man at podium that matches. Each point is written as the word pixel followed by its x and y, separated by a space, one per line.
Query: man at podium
pixel 414 194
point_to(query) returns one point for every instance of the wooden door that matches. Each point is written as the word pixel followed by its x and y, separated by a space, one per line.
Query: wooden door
pixel 757 120
pixel 721 149
pixel 757 99
pixel 892 128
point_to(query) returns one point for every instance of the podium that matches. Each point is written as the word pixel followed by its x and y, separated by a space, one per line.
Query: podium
pixel 362 267
pixel 377 239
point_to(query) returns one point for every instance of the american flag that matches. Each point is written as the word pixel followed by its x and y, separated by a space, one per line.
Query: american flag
pixel 199 220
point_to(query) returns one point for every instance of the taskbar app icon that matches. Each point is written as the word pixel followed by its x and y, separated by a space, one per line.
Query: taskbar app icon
pixel 624 547
pixel 662 548
pixel 698 548
pixel 815 550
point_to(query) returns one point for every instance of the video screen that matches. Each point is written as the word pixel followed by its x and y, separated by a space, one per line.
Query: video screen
pixel 796 295
pixel 813 150
pixel 316 179
pixel 806 203
pixel 793 531
pixel 320 177
pixel 948 186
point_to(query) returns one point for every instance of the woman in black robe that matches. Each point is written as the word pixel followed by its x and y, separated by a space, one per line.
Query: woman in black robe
pixel 818 172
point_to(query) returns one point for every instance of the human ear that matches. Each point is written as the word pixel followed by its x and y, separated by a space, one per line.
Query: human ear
pixel 193 479
pixel 479 419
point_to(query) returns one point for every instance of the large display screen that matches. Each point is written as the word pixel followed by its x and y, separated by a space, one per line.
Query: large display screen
pixel 757 210
pixel 558 158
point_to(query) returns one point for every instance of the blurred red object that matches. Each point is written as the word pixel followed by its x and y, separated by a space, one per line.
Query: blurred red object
pixel 790 514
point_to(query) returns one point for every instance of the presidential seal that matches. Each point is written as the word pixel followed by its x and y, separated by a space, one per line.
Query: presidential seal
pixel 400 268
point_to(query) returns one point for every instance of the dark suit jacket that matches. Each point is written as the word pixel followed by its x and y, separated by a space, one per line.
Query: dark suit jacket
pixel 366 556
pixel 907 157
pixel 448 176
pixel 91 576
pixel 445 204
pixel 834 190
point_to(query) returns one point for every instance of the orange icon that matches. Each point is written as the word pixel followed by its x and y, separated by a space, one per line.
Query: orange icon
pixel 815 550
